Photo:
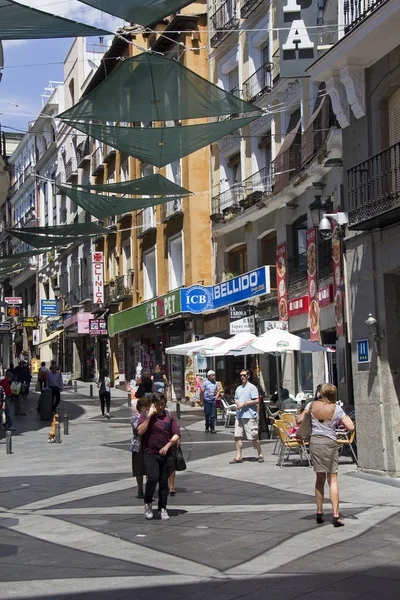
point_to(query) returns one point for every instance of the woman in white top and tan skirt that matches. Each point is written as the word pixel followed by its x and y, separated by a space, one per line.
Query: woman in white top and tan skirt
pixel 325 417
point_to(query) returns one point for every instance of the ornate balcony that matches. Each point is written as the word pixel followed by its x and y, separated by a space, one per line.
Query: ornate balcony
pixel 97 160
pixel 258 185
pixel 373 194
pixel 171 209
pixel 71 169
pixel 86 292
pixel 259 83
pixel 109 152
pixel 110 294
pixel 248 6
pixel 123 287
pixel 223 21
pixel 83 152
pixel 72 299
pixel 297 271
pixel 355 11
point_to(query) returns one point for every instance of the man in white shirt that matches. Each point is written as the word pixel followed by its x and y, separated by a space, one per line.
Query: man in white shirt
pixel 246 400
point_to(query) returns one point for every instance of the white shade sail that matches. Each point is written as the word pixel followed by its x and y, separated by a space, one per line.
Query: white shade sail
pixel 238 345
pixel 279 341
pixel 194 347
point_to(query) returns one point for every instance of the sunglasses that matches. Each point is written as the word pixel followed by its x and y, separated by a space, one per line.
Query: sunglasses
pixel 243 375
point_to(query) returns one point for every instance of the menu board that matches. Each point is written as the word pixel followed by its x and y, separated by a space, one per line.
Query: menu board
pixel 281 282
pixel 337 279
pixel 313 302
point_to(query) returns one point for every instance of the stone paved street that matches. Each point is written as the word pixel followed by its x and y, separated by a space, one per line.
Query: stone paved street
pixel 71 527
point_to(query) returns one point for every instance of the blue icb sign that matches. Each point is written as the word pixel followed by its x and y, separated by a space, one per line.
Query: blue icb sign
pixel 199 298
pixel 362 351
pixel 48 308
pixel 196 299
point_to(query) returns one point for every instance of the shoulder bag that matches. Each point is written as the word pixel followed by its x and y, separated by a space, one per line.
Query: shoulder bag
pixel 305 429
pixel 180 464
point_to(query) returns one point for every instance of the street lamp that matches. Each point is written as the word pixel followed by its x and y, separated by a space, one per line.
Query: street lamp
pixel 373 327
pixel 325 227
pixel 318 207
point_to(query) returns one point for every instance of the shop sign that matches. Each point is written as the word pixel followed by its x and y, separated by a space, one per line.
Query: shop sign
pixel 78 323
pixel 251 284
pixel 298 306
pixel 5 326
pixel 36 337
pixel 325 295
pixel 162 307
pixel 298 48
pixel 13 300
pixel 281 281
pixel 268 325
pixel 98 327
pixel 241 319
pixel 197 299
pixel 48 308
pixel 29 322
pixel 35 366
pixel 362 351
pixel 337 279
pixel 13 311
pixel 313 305
pixel 98 278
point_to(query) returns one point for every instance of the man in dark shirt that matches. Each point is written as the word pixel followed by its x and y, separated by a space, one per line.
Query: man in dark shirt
pixel 5 384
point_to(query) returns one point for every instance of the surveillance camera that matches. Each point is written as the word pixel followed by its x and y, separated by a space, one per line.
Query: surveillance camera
pixel 325 224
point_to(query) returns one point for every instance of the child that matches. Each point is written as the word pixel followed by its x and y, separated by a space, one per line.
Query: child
pixel 142 405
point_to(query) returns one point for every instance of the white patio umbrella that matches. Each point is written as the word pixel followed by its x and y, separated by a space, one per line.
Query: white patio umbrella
pixel 193 347
pixel 238 345
pixel 279 341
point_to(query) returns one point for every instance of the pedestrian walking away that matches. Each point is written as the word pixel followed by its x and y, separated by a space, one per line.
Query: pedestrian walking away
pixel 159 380
pixel 138 470
pixel 145 386
pixel 246 400
pixel 55 383
pixel 160 432
pixel 104 393
pixel 5 384
pixel 42 376
pixel 325 416
pixel 209 394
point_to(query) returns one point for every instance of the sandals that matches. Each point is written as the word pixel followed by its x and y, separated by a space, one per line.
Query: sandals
pixel 172 492
pixel 320 518
pixel 337 522
pixel 235 461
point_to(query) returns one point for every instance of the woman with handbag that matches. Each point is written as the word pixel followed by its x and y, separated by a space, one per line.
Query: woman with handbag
pixel 160 432
pixel 319 422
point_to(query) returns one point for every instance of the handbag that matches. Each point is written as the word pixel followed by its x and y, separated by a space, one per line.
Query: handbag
pixel 37 386
pixel 305 429
pixel 180 464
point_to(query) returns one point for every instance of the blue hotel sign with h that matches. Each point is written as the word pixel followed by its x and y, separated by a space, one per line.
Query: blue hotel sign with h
pixel 199 298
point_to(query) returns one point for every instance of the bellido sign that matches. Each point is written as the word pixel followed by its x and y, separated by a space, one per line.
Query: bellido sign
pixel 199 298
pixel 298 45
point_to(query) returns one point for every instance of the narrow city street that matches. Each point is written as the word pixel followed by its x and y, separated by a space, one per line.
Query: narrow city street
pixel 71 527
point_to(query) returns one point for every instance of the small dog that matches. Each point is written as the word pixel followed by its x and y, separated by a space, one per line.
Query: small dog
pixel 52 432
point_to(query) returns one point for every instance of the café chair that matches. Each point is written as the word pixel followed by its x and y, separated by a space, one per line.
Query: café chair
pixel 288 444
pixel 345 439
pixel 229 411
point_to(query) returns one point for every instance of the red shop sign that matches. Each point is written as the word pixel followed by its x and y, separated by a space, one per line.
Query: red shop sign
pixel 298 306
pixel 325 295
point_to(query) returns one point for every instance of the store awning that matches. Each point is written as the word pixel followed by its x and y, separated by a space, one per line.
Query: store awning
pixel 138 11
pixel 51 338
pixel 150 87
pixel 160 146
pixel 20 22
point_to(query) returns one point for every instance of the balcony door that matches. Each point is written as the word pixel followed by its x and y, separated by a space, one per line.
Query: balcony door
pixel 394 138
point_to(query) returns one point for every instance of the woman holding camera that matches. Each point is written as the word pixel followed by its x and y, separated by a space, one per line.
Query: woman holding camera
pixel 160 432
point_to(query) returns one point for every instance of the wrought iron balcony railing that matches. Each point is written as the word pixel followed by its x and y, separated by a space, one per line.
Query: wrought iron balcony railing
pixel 86 292
pixel 223 21
pixel 374 189
pixel 248 6
pixel 110 294
pixel 83 152
pixel 258 185
pixel 355 11
pixel 123 287
pixel 171 209
pixel 228 201
pixel 259 83
pixel 72 298
pixel 109 151
pixel 97 160
pixel 71 169
pixel 298 267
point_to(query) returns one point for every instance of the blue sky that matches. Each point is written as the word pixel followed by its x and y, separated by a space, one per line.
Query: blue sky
pixel 29 65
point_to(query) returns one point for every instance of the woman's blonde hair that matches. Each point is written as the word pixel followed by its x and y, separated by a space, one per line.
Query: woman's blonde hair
pixel 329 393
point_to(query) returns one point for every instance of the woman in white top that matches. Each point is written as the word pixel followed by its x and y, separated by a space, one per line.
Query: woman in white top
pixel 104 392
pixel 325 417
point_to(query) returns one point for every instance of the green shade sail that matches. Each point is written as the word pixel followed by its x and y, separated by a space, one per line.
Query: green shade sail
pixel 149 87
pixel 73 230
pixel 142 12
pixel 161 146
pixel 39 241
pixel 16 258
pixel 152 185
pixel 20 22
pixel 107 206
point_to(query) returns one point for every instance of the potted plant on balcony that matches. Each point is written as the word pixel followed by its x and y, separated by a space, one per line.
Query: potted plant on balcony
pixel 251 199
